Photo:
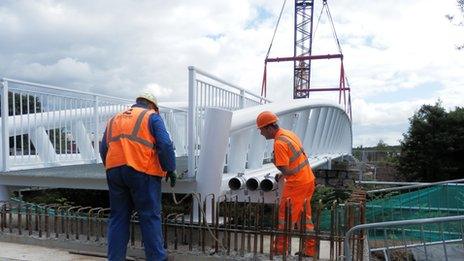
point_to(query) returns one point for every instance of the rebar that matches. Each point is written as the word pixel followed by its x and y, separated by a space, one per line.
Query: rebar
pixel 231 225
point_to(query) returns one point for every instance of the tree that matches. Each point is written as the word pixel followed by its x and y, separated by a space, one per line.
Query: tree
pixel 381 146
pixel 433 145
pixel 19 104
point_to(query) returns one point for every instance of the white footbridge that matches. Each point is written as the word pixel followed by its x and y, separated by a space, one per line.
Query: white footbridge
pixel 50 136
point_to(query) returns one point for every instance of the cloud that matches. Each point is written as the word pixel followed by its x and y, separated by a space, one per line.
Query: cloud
pixel 64 69
pixel 157 90
pixel 123 47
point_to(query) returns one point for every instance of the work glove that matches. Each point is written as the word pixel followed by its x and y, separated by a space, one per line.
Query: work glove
pixel 172 176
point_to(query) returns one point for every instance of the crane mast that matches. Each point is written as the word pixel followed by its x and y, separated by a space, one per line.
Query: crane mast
pixel 303 37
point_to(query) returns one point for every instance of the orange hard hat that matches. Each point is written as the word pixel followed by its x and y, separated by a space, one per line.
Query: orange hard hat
pixel 265 118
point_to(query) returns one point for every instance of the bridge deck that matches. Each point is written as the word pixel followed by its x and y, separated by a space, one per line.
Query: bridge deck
pixel 87 176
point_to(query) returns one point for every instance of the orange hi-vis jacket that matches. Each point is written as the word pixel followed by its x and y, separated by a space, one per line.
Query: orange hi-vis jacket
pixel 298 189
pixel 131 143
pixel 288 152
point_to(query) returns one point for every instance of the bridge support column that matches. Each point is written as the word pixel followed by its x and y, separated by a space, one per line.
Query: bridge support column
pixel 213 151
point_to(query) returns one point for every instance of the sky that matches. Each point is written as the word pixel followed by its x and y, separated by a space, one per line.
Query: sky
pixel 398 54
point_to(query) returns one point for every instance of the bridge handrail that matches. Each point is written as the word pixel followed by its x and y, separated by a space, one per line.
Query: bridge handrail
pixel 236 87
pixel 52 125
pixel 203 94
pixel 52 87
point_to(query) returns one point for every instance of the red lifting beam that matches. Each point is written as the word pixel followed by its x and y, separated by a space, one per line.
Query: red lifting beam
pixel 341 88
pixel 302 58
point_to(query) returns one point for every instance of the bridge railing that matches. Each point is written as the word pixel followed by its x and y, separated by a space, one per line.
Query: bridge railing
pixel 207 90
pixel 53 126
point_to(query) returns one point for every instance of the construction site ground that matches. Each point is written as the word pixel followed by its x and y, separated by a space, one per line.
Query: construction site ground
pixel 16 251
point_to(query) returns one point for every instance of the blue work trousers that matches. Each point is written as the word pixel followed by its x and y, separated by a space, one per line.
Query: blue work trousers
pixel 132 190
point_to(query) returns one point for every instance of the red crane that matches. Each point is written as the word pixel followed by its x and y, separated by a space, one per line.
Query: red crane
pixel 302 55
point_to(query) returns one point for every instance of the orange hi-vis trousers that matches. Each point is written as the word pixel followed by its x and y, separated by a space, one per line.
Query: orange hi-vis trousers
pixel 296 196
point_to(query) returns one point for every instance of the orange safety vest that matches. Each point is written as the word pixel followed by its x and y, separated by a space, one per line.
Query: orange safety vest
pixel 131 143
pixel 300 171
pixel 298 189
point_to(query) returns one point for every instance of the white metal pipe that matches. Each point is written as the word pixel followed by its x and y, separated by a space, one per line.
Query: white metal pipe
pixel 241 178
pixel 268 184
pixel 5 128
pixel 252 182
pixel 237 182
pixel 191 122
pixel 96 131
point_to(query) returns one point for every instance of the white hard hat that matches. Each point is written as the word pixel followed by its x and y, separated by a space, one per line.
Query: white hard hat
pixel 149 97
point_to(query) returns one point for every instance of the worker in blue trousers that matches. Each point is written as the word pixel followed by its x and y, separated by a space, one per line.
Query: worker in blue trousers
pixel 137 153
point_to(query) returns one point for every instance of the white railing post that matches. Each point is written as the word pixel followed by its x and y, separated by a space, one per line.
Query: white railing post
pixel 242 99
pixel 5 139
pixel 192 111
pixel 96 132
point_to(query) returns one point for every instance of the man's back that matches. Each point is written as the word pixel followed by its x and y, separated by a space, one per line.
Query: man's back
pixel 288 152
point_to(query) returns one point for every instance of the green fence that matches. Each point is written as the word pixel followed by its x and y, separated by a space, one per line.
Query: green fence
pixel 405 204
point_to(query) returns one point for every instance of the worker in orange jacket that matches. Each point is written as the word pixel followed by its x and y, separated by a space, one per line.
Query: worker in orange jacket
pixel 137 152
pixel 299 180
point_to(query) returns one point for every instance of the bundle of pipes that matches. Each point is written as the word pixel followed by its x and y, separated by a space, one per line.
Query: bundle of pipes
pixel 264 179
pixel 266 182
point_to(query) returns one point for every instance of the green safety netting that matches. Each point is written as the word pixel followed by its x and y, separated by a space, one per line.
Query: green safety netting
pixel 434 201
